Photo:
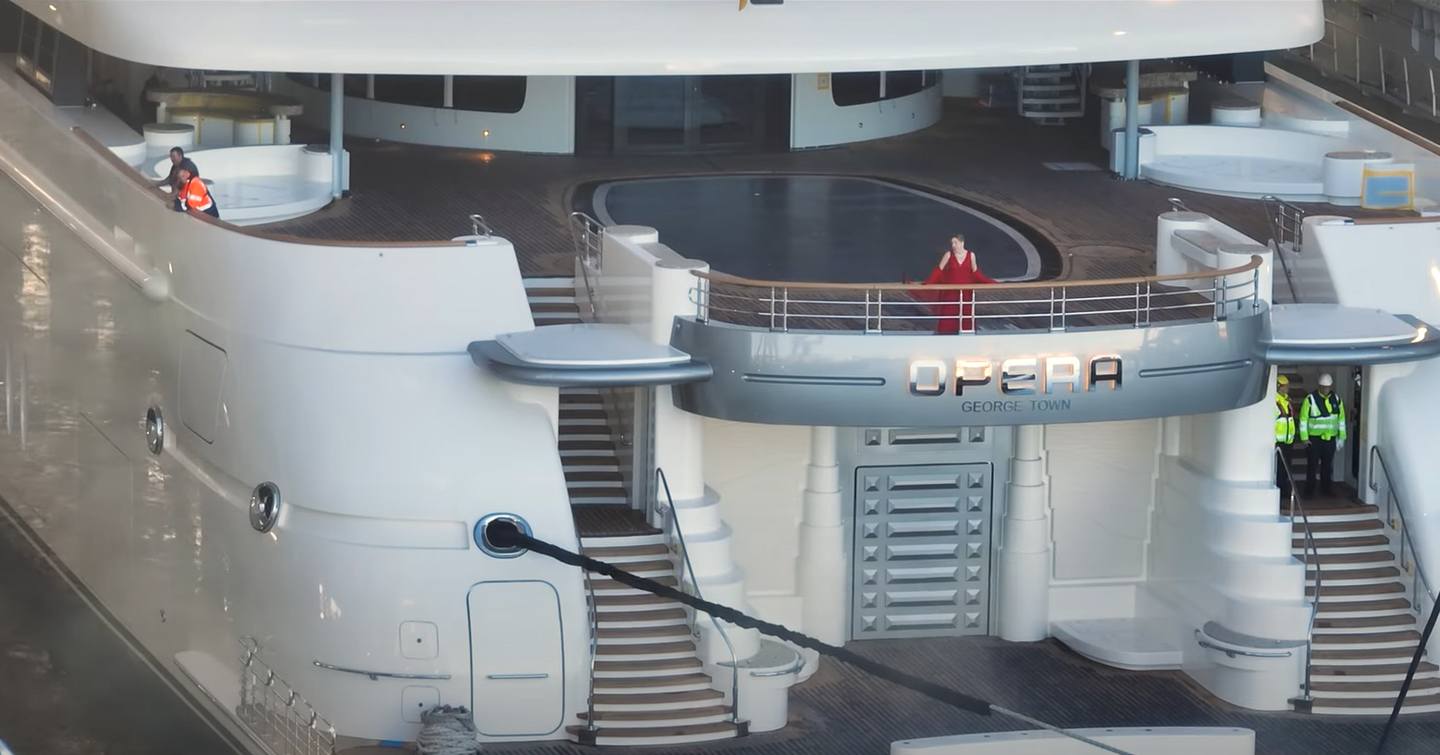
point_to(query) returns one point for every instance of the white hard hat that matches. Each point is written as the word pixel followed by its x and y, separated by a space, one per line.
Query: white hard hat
pixel 1326 380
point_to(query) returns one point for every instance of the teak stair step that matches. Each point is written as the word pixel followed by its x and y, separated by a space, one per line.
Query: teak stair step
pixel 657 698
pixel 1355 606
pixel 1379 669
pixel 585 445
pixel 1357 525
pixel 598 460
pixel 639 566
pixel 661 664
pixel 657 648
pixel 624 682
pixel 547 306
pixel 1365 654
pixel 1365 621
pixel 1342 575
pixel 567 412
pixel 610 584
pixel 607 476
pixel 1328 590
pixel 1390 686
pixel 1360 639
pixel 1367 557
pixel 657 549
pixel 631 600
pixel 1371 702
pixel 536 293
pixel 579 398
pixel 656 615
pixel 657 715
pixel 684 730
pixel 1342 542
pixel 618 633
pixel 1313 509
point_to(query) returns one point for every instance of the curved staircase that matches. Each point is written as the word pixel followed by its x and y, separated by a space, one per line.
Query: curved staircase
pixel 649 686
pixel 1365 629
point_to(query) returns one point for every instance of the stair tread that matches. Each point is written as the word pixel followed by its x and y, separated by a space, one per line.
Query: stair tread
pixel 638 566
pixel 610 584
pixel 656 648
pixel 546 306
pixel 1381 588
pixel 598 460
pixel 1359 524
pixel 1343 542
pixel 671 630
pixel 1374 669
pixel 631 600
pixel 549 291
pixel 1383 686
pixel 1352 606
pixel 681 730
pixel 1393 620
pixel 652 698
pixel 606 476
pixel 1331 638
pixel 1364 557
pixel 653 549
pixel 1315 509
pixel 1345 575
pixel 580 398
pixel 655 615
pixel 570 412
pixel 1362 654
pixel 658 715
pixel 659 664
pixel 625 682
pixel 585 445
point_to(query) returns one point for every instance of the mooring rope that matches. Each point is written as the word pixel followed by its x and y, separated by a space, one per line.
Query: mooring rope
pixel 505 534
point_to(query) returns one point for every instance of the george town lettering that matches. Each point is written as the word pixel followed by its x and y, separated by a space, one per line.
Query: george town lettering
pixel 971 377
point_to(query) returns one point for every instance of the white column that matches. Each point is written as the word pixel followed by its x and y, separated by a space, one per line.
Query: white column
pixel 1132 120
pixel 823 565
pixel 449 96
pixel 679 435
pixel 1025 557
pixel 337 132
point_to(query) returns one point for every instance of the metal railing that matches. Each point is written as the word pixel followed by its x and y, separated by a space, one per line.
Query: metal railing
pixel 589 236
pixel 1395 518
pixel 275 714
pixel 672 523
pixel 479 227
pixel 1375 68
pixel 1312 557
pixel 1050 305
pixel 1287 235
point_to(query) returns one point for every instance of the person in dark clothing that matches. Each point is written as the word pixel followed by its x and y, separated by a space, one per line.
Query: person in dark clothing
pixel 178 160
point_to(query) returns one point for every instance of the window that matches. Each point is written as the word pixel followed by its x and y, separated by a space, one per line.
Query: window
pixel 356 84
pixel 45 54
pixel 855 88
pixel 903 83
pixel 29 32
pixel 491 94
pixel 425 91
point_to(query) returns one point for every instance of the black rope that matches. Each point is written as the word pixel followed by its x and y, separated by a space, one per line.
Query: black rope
pixel 1410 674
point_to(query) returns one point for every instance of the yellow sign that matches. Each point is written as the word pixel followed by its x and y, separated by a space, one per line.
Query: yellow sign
pixel 822 81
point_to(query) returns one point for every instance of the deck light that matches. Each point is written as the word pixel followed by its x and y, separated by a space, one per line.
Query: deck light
pixel 485 133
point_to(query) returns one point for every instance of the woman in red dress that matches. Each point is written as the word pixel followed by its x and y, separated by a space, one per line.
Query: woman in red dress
pixel 955 309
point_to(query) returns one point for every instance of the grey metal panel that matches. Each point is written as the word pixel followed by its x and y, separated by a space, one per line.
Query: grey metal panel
pixel 495 357
pixel 850 379
pixel 922 551
pixel 1425 346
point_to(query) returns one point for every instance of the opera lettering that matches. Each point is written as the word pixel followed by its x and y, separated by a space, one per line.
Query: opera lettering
pixel 1017 383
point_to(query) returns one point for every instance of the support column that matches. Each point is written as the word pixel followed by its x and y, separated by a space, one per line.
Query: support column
pixel 337 132
pixel 822 566
pixel 448 97
pixel 1025 558
pixel 1132 120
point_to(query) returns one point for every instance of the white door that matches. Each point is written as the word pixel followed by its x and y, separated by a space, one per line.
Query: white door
pixel 517 682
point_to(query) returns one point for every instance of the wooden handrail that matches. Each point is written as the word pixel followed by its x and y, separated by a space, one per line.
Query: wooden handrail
pixel 726 278
pixel 134 175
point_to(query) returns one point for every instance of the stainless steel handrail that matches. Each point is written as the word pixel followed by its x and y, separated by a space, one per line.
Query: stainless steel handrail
pixel 1312 552
pixel 590 726
pixel 1232 652
pixel 1394 502
pixel 673 518
pixel 376 675
pixel 588 234
pixel 479 226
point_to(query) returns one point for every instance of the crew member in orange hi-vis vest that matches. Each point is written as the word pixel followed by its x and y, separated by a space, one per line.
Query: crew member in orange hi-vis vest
pixel 194 195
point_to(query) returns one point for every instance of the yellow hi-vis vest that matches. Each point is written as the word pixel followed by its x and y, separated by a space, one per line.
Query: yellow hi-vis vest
pixel 1322 417
pixel 1284 420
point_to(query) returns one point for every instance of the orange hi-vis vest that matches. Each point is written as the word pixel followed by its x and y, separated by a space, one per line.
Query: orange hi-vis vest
pixel 195 196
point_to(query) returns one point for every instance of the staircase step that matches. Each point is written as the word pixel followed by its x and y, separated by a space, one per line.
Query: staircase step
pixel 1330 591
pixel 1429 686
pixel 658 735
pixel 658 617
pixel 653 651
pixel 671 683
pixel 574 411
pixel 607 584
pixel 679 715
pixel 1361 606
pixel 656 566
pixel 1379 574
pixel 625 540
pixel 1324 543
pixel 657 549
pixel 1372 639
pixel 648 668
pixel 1362 622
pixel 573 460
pixel 1360 706
pixel 1357 525
pixel 556 307
pixel 567 398
pixel 641 635
pixel 1370 670
pixel 1366 557
pixel 656 700
pixel 586 445
pixel 593 476
pixel 608 602
pixel 1049 100
pixel 548 291
pixel 1348 656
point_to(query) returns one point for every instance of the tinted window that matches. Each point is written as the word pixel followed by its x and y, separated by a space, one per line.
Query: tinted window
pixel 29 30
pixel 855 88
pixel 903 83
pixel 426 91
pixel 492 94
pixel 45 56
pixel 355 84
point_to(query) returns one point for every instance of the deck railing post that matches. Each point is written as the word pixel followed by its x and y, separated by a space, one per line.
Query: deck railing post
pixel 785 310
pixel 772 307
pixel 1433 112
pixel 1380 52
pixel 1064 295
pixel 1405 62
pixel 879 310
pixel 1137 304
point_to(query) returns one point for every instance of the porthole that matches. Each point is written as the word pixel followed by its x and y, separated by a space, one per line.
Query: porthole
pixel 265 506
pixel 154 430
pixel 488 528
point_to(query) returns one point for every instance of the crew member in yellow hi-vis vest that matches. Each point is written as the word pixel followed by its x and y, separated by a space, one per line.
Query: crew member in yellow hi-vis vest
pixel 1284 435
pixel 1322 424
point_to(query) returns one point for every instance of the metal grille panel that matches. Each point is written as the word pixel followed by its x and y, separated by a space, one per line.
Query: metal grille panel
pixel 922 551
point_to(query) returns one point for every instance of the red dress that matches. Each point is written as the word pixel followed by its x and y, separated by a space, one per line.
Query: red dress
pixel 957 311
